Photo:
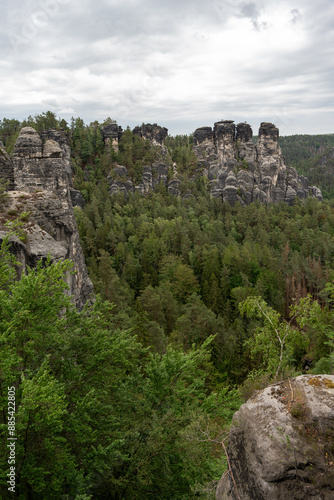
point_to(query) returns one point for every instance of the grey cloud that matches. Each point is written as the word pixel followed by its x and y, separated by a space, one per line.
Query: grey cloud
pixel 252 11
pixel 136 49
pixel 295 16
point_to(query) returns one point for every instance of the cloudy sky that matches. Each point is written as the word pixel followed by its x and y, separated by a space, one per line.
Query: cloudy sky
pixel 180 63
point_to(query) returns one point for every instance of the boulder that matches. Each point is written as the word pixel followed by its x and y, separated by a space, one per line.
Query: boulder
pixel 159 173
pixel 77 199
pixel 230 194
pixel 290 195
pixel 174 187
pixel 281 443
pixel 315 192
pixel 112 134
pixel 52 149
pixel 43 187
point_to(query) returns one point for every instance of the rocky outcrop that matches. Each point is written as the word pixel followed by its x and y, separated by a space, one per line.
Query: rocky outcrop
pixel 240 170
pixel 281 444
pixel 41 164
pixel 154 133
pixel 153 175
pixel 112 134
pixel 43 188
pixel 159 172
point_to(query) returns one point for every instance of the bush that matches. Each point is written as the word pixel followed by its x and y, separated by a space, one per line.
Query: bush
pixel 3 190
pixel 322 366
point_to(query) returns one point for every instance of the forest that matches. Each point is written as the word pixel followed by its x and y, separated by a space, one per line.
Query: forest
pixel 198 304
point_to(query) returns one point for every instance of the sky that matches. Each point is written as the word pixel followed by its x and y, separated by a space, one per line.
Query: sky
pixel 180 63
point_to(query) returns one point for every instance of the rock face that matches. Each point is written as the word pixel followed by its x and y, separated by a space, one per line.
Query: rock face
pixel 112 134
pixel 41 164
pixel 153 175
pixel 42 186
pixel 236 167
pixel 240 170
pixel 6 167
pixel 153 133
pixel 281 444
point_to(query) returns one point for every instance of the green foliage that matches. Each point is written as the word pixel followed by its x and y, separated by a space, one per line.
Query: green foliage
pixel 97 413
pixel 202 246
pixel 304 147
pixel 319 323
pixel 181 150
pixel 323 365
pixel 274 340
pixel 135 153
pixel 309 154
pixel 9 131
pixel 3 191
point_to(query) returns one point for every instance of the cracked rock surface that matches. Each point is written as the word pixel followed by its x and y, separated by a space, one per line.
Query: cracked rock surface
pixel 281 444
pixel 41 185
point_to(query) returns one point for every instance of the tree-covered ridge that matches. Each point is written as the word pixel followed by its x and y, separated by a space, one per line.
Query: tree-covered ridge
pixel 122 400
pixel 304 147
pixel 311 156
pixel 97 414
pixel 177 269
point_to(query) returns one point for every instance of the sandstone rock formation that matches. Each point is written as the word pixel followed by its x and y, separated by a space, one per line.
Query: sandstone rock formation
pixel 153 174
pixel 239 170
pixel 153 133
pixel 281 444
pixel 112 134
pixel 42 186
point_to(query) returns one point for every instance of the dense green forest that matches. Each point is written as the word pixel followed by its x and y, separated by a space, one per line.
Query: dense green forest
pixel 131 397
pixel 311 156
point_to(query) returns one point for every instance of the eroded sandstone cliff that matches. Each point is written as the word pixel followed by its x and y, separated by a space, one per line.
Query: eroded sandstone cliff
pixel 237 168
pixel 41 184
pixel 241 170
pixel 153 174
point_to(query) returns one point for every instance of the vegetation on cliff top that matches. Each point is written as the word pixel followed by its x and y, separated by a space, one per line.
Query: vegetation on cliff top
pixel 118 401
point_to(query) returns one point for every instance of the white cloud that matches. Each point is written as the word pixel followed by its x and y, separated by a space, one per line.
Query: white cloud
pixel 181 64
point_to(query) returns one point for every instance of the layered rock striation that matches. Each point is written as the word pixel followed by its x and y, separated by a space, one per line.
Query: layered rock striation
pixel 237 168
pixel 241 170
pixel 281 444
pixel 42 185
